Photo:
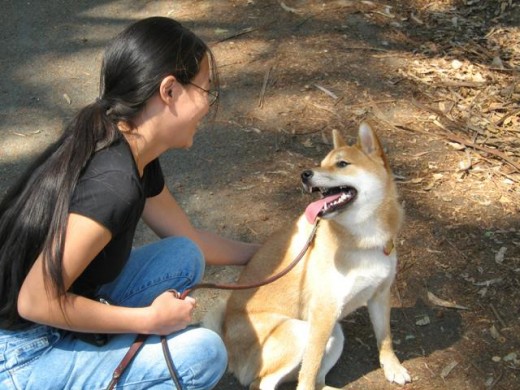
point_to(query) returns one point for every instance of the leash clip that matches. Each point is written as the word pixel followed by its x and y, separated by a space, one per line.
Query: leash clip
pixel 175 293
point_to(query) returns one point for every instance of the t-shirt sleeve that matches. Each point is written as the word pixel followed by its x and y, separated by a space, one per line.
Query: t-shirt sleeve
pixel 109 198
pixel 153 179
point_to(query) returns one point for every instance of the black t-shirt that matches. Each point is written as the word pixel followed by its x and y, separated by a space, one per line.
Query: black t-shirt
pixel 111 192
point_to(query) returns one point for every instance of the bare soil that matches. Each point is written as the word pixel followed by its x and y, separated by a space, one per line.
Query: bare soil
pixel 438 80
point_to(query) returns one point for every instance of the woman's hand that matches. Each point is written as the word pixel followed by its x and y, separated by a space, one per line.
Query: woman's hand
pixel 170 314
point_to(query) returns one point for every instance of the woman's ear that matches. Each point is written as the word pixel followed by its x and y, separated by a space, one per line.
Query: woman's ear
pixel 167 88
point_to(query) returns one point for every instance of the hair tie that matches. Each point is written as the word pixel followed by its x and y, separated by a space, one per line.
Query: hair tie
pixel 102 103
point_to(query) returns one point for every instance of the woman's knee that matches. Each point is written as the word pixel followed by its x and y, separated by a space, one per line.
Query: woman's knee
pixel 170 263
pixel 203 361
pixel 216 360
pixel 187 252
pixel 177 257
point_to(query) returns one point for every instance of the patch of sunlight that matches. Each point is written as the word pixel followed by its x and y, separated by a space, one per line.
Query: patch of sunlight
pixel 20 141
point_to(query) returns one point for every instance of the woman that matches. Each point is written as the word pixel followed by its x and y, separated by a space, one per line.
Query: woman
pixel 66 230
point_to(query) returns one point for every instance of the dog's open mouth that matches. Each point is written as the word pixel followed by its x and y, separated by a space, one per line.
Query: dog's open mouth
pixel 333 199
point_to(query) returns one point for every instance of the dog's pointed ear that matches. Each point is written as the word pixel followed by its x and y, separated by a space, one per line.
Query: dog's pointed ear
pixel 370 144
pixel 337 139
pixel 367 139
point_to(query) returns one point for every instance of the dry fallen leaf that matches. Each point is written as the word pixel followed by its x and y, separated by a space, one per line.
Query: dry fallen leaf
pixel 425 320
pixel 448 368
pixel 457 146
pixel 496 334
pixel 308 143
pixel 289 9
pixel 443 303
pixel 499 257
pixel 510 357
pixel 456 64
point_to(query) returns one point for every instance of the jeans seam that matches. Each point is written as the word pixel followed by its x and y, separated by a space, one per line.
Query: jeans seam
pixel 151 284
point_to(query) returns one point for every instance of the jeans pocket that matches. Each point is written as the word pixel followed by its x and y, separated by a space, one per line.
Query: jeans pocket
pixel 21 350
pixel 32 349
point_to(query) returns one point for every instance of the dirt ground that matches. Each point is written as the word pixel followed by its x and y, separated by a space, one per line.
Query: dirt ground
pixel 438 80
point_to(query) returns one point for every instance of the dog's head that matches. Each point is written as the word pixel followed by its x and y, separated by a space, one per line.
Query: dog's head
pixel 348 176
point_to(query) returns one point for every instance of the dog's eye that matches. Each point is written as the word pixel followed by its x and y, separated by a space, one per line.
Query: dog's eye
pixel 342 164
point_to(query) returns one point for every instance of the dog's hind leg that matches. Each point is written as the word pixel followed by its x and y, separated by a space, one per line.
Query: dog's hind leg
pixel 282 354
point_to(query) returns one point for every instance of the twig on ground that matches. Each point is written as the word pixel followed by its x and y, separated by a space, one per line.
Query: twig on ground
pixel 506 116
pixel 326 91
pixel 497 315
pixel 365 48
pixel 239 33
pixel 264 87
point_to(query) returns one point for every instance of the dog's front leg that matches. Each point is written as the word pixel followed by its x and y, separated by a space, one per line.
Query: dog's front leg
pixel 379 311
pixel 321 323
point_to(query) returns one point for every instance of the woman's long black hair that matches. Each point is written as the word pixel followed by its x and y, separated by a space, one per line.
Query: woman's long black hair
pixel 34 212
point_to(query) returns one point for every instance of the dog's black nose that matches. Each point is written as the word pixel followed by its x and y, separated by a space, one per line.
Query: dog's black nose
pixel 306 175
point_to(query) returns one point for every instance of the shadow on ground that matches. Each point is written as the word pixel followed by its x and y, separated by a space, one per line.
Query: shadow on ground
pixel 288 79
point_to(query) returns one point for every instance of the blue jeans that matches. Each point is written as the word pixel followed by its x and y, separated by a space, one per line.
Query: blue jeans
pixel 42 357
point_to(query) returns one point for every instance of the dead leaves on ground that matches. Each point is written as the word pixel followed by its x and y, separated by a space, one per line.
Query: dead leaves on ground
pixel 468 81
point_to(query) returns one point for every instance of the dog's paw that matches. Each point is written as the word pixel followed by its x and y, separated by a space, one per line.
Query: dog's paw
pixel 394 371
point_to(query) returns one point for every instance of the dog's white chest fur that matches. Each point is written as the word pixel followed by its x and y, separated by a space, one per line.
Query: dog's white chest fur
pixel 366 273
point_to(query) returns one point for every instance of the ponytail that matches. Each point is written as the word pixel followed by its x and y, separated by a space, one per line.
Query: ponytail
pixel 33 214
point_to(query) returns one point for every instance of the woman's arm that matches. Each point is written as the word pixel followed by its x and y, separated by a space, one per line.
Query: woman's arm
pixel 166 218
pixel 85 238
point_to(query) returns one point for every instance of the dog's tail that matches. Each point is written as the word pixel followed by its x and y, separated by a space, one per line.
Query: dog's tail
pixel 215 317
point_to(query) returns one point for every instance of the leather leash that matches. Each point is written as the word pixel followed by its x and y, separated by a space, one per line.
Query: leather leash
pixel 132 351
pixel 141 338
pixel 269 280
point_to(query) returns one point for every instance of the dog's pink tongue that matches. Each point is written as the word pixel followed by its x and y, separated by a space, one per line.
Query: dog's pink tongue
pixel 312 210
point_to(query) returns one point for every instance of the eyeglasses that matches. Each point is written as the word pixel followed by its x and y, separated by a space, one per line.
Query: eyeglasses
pixel 212 95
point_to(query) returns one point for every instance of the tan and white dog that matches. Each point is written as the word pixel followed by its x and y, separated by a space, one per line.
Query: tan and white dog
pixel 289 329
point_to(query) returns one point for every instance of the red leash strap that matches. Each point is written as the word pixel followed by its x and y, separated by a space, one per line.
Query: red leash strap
pixel 130 354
